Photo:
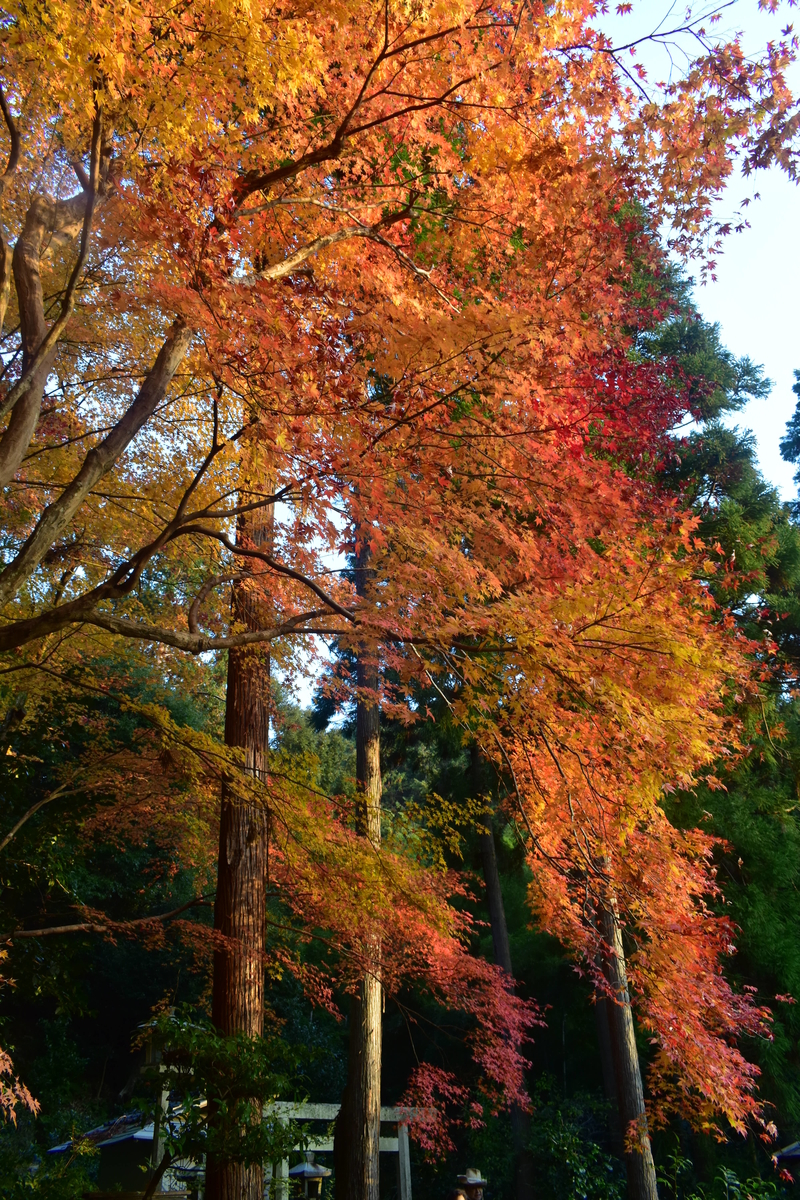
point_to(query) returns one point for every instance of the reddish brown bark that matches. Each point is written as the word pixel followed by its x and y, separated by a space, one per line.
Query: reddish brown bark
pixel 240 909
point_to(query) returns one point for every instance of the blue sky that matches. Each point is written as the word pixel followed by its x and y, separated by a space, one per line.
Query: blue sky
pixel 755 295
pixel 755 300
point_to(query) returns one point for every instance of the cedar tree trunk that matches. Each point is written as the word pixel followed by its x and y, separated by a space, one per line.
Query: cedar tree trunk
pixel 240 908
pixel 630 1093
pixel 358 1126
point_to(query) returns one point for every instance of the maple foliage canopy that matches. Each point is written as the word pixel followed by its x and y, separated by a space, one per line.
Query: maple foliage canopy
pixel 376 263
pixel 434 188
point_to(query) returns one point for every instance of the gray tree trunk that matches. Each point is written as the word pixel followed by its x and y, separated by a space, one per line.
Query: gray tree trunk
pixel 628 1077
pixel 601 1006
pixel 358 1126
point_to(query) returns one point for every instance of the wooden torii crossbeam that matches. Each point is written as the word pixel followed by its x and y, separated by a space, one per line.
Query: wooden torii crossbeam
pixel 276 1175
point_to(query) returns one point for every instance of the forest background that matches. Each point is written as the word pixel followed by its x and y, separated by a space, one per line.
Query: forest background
pixel 576 452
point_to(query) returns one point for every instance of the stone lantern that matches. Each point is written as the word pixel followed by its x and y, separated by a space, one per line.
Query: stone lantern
pixel 311 1174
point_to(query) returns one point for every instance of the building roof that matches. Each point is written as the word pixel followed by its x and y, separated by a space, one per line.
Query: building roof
pixel 121 1129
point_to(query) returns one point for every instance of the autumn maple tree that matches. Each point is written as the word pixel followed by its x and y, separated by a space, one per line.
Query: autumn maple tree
pixel 589 667
pixel 291 281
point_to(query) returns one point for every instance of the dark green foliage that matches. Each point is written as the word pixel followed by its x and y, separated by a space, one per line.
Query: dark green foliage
pixel 712 379
pixel 754 542
pixel 57 1075
pixel 58 1177
pixel 751 536
pixel 759 870
pixel 76 1000
pixel 566 1141
pixel 677 1180
pixel 236 1076
pixel 329 756
pixel 790 442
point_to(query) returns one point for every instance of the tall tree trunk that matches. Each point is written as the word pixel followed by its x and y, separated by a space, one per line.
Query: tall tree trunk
pixel 524 1188
pixel 601 1007
pixel 494 898
pixel 358 1126
pixel 628 1077
pixel 240 908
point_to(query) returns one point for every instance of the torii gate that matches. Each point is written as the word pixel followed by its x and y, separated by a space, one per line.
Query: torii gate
pixel 276 1175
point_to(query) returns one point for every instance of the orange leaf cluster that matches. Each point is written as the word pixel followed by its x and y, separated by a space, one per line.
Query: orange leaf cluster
pixel 374 263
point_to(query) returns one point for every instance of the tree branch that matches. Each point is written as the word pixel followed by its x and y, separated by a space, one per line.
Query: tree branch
pixel 59 792
pixel 197 643
pixel 13 133
pixel 100 459
pixel 11 166
pixel 288 265
pixel 105 926
pixel 155 1179
pixel 257 181
pixel 74 612
pixel 205 590
pixel 32 369
pixel 280 567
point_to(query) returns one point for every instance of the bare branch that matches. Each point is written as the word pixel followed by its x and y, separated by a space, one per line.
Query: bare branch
pixel 288 265
pixel 57 794
pixel 11 166
pixel 82 177
pixel 100 459
pixel 156 1177
pixel 280 567
pixel 197 643
pixel 5 278
pixel 108 926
